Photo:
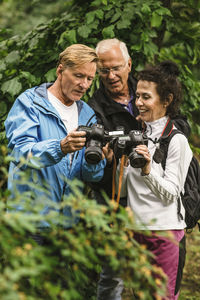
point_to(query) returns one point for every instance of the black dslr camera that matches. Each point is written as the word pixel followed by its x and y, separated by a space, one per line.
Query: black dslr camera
pixel 126 144
pixel 97 137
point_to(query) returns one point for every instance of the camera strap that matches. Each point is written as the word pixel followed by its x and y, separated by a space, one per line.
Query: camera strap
pixel 113 178
pixel 120 179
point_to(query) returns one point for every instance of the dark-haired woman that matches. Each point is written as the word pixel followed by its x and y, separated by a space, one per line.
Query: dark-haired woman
pixel 153 192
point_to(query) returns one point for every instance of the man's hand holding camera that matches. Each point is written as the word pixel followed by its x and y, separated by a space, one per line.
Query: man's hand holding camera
pixel 74 141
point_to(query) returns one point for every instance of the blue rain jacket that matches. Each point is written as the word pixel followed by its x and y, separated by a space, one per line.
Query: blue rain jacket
pixel 35 129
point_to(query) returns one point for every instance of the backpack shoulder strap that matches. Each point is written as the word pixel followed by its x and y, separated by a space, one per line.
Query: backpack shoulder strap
pixel 165 139
pixel 164 145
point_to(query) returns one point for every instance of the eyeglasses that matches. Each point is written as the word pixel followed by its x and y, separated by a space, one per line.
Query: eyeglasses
pixel 114 70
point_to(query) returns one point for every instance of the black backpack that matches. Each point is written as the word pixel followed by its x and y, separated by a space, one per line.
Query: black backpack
pixel 191 198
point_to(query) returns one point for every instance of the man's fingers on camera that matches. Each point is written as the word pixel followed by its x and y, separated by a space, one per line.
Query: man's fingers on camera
pixel 77 137
pixel 72 142
pixel 80 133
pixel 76 133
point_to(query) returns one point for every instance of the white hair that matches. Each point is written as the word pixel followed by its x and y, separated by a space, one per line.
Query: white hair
pixel 106 45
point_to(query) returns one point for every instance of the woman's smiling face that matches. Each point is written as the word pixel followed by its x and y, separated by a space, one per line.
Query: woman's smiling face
pixel 148 101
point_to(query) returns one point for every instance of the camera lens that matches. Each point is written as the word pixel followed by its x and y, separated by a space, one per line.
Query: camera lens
pixel 93 152
pixel 136 160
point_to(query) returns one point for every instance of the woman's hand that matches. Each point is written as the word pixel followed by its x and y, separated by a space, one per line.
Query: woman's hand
pixel 107 153
pixel 143 150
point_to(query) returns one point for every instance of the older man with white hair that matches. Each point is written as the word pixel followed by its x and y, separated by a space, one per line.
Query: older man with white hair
pixel 114 105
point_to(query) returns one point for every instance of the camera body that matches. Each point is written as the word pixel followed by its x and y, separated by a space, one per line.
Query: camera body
pixel 97 137
pixel 126 144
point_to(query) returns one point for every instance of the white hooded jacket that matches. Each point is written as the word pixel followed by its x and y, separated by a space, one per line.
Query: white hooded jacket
pixel 153 198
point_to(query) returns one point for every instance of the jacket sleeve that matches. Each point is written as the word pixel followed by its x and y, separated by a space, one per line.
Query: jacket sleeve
pixel 22 130
pixel 93 173
pixel 169 186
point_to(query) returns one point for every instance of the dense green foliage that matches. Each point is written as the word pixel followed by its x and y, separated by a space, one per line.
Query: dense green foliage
pixel 19 16
pixel 153 31
pixel 67 265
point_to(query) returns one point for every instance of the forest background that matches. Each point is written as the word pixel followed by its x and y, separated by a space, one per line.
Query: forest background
pixel 33 33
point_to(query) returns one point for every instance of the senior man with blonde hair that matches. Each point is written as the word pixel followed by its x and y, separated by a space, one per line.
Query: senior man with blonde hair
pixel 42 124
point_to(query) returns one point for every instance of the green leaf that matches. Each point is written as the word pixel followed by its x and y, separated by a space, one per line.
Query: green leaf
pixel 95 24
pixel 2 65
pixel 125 23
pixel 33 42
pixel 156 20
pixel 96 3
pixel 108 32
pixel 145 36
pixel 71 36
pixel 187 69
pixel 163 11
pixel 90 17
pixel 9 72
pixel 27 75
pixel 50 75
pixel 12 57
pixel 67 36
pixel 116 16
pixel 136 47
pixel 150 50
pixel 12 87
pixel 84 31
pixel 145 9
pixel 3 107
pixel 109 14
pixel 99 13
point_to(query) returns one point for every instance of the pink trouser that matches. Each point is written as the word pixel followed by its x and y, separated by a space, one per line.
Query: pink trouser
pixel 169 255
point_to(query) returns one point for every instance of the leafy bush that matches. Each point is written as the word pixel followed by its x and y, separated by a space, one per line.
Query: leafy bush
pixel 67 265
pixel 152 30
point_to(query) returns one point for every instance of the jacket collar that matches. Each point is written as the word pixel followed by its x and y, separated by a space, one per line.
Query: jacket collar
pixel 101 100
pixel 41 98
